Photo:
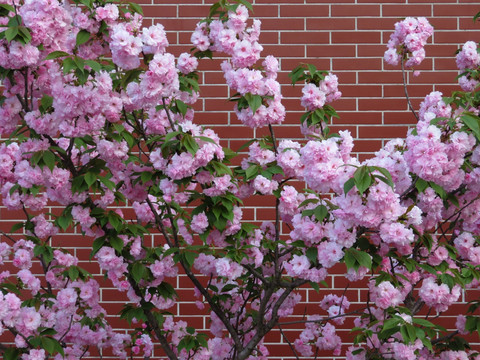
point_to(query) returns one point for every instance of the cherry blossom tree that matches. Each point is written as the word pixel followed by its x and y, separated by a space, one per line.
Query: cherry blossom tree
pixel 97 113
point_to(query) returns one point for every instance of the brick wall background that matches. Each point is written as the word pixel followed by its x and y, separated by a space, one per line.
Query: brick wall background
pixel 347 37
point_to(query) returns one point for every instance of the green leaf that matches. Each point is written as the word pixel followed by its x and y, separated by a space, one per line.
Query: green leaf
pixel 421 185
pixel 297 74
pixel 46 101
pixel 79 62
pixel 90 178
pixel 251 172
pixel 254 102
pixel 68 65
pixel 97 245
pixel 146 176
pixel 312 254
pixel 320 212
pixel 25 34
pixel 82 37
pixel 439 190
pixel 49 159
pixel 412 334
pixel 363 258
pixel 190 144
pixel 391 323
pixel 7 7
pixel 16 227
pixel 15 21
pixel 11 354
pixel 349 184
pixel 108 183
pixel 423 322
pixel 171 135
pixel 167 290
pixel 11 32
pixel 73 273
pixel 65 220
pixel 94 65
pixel 405 334
pixel 315 286
pixel 116 243
pixel 354 259
pixel 246 4
pixel 181 106
pixel 472 122
pixel 48 344
pixel 247 144
pixel 48 331
pixel 87 3
pixel 350 260
pixel 362 179
pixel 56 55
pixel 136 8
pixel 221 168
pixel 190 257
pixel 138 271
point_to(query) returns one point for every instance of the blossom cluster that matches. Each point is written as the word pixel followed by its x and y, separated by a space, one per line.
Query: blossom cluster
pixel 234 38
pixel 104 133
pixel 408 41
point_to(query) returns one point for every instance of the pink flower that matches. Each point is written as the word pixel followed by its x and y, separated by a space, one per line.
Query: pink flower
pixel 187 63
pixel 199 223
pixel 264 186
pixel 227 268
pixel 31 318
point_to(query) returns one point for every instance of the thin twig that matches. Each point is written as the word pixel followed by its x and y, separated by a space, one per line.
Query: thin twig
pixel 288 341
pixel 406 91
pixel 322 319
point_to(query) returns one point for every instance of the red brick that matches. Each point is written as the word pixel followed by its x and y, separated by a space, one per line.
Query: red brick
pixel 304 10
pixel 454 37
pixel 382 131
pixel 160 11
pixel 376 23
pixel 285 24
pixel 458 10
pixel 197 11
pixel 356 37
pixel 366 50
pixel 356 91
pixel 383 104
pixel 413 90
pixel 356 64
pixel 308 37
pixel 356 10
pixel 406 10
pixel 330 23
pixel 331 51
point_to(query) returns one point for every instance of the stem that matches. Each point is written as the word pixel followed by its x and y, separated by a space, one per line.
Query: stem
pixel 172 125
pixel 26 90
pixel 456 213
pixel 358 311
pixel 406 91
pixel 289 343
pixel 8 236
pixel 446 337
pixel 216 309
pixel 274 141
pixel 152 322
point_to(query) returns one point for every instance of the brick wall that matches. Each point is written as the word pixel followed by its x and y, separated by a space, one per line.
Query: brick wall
pixel 347 37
